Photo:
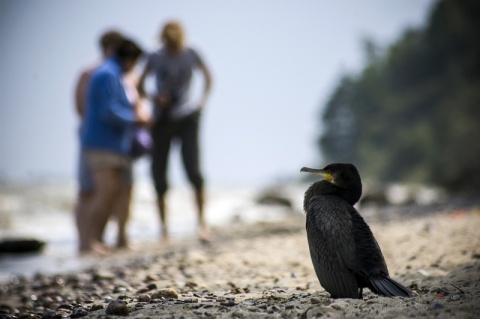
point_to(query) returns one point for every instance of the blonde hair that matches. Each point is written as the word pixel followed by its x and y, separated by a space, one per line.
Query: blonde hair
pixel 173 36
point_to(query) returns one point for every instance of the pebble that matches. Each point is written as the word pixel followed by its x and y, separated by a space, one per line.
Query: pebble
pixel 336 306
pixel 79 312
pixel 144 298
pixel 117 308
pixel 191 300
pixel 152 286
pixel 142 290
pixel 228 303
pixel 108 299
pixel 5 309
pixel 457 297
pixel 48 315
pixel 65 306
pixel 96 307
pixel 98 276
pixel 167 293
pixel 437 306
pixel 423 272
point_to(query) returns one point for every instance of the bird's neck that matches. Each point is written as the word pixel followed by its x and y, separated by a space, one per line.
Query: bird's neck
pixel 326 188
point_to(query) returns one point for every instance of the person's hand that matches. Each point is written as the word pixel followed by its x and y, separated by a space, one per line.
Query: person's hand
pixel 162 100
pixel 200 107
pixel 144 119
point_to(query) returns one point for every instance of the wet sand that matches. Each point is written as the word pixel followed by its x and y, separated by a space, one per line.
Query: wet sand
pixel 263 270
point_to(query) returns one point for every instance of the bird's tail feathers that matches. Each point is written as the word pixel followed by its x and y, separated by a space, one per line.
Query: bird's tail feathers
pixel 388 287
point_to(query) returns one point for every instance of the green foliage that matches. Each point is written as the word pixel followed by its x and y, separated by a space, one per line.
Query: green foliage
pixel 413 113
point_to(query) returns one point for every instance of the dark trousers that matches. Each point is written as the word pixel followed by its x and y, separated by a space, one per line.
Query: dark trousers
pixel 184 131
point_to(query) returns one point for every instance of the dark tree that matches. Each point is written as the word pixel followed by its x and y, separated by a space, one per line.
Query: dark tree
pixel 412 114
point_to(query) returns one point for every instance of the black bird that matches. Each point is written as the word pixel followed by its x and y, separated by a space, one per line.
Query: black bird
pixel 344 252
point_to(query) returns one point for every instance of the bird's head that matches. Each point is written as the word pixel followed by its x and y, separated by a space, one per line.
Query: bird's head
pixel 344 176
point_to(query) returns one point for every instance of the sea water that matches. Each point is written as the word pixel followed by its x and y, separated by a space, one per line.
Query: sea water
pixel 44 211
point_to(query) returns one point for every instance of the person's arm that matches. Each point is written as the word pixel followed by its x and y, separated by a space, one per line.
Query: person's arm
pixel 141 81
pixel 207 84
pixel 131 81
pixel 81 93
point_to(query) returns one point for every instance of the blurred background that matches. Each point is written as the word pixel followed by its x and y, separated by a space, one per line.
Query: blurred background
pixel 392 86
pixel 274 66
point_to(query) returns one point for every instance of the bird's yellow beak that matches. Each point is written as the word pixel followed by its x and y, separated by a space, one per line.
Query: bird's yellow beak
pixel 321 172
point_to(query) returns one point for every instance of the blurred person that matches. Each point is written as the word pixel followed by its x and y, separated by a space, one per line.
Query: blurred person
pixel 121 209
pixel 107 139
pixel 109 43
pixel 177 117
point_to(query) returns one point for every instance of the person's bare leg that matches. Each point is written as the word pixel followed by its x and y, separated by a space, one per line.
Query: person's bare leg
pixel 203 230
pixel 108 183
pixel 82 209
pixel 122 213
pixel 162 210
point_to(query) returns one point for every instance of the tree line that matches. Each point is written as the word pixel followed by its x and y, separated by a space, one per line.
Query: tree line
pixel 413 113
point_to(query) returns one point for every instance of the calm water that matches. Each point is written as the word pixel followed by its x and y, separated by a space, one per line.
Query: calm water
pixel 44 211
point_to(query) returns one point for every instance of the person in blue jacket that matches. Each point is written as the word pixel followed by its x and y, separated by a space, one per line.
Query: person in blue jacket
pixel 109 43
pixel 107 136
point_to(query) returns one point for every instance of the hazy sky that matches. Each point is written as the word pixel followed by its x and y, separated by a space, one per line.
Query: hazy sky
pixel 274 64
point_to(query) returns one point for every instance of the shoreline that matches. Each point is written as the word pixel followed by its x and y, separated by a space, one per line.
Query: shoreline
pixel 263 270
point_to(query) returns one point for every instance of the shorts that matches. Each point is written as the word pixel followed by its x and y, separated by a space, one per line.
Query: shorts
pixel 90 159
pixel 104 159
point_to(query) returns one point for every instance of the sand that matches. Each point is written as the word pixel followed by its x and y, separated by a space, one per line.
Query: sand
pixel 263 270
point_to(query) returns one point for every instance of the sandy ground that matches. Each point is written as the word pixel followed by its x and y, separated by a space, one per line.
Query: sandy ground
pixel 264 271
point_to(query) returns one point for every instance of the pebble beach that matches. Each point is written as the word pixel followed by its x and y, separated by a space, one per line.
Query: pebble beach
pixel 263 270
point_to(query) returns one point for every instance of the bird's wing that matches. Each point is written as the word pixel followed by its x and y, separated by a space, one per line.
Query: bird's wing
pixel 332 246
pixel 369 257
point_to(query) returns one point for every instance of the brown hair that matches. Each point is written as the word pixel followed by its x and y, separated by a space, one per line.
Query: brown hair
pixel 111 40
pixel 129 50
pixel 173 36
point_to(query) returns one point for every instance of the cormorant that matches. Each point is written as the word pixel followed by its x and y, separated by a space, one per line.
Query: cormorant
pixel 344 252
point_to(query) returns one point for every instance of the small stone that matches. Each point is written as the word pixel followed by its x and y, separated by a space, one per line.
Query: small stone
pixel 79 312
pixel 155 300
pixel 119 289
pixel 191 284
pixel 98 276
pixel 423 272
pixel 228 303
pixel 142 290
pixel 275 308
pixel 96 307
pixel 437 306
pixel 167 293
pixel 336 306
pixel 149 278
pixel 191 300
pixel 47 315
pixel 65 306
pixel 5 309
pixel 144 298
pixel 152 286
pixel 117 308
